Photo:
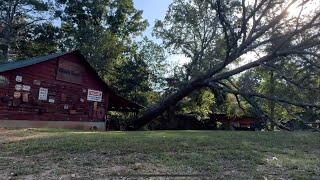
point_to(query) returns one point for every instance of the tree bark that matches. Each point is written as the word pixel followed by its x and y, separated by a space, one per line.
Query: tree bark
pixel 173 99
pixel 198 83
pixel 272 103
pixel 164 105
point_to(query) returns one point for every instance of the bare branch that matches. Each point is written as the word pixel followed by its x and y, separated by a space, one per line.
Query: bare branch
pixel 272 98
pixel 289 79
pixel 249 99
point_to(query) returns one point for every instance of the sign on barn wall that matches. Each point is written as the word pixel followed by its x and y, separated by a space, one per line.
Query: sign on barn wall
pixel 19 78
pixel 43 94
pixel 26 88
pixel 70 72
pixel 95 96
pixel 17 95
pixel 18 87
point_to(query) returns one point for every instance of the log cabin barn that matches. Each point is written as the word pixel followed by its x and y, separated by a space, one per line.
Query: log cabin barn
pixel 57 91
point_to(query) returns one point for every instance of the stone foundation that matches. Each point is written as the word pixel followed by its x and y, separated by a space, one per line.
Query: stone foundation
pixel 100 126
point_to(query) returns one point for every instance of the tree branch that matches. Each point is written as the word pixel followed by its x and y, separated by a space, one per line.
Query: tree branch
pixel 249 99
pixel 272 98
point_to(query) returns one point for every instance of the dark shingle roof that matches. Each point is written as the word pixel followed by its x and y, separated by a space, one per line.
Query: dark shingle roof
pixel 28 62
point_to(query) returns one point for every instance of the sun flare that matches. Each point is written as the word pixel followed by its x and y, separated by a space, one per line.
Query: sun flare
pixel 298 9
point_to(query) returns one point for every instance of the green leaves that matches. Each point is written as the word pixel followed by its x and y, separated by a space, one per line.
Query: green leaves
pixel 20 23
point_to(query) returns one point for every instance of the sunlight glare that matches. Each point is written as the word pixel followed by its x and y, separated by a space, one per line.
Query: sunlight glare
pixel 295 9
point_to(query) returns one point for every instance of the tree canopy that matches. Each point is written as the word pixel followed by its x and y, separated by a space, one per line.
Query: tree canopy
pixel 245 30
pixel 247 57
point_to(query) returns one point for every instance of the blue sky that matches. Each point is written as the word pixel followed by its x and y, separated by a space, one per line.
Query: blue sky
pixel 152 10
pixel 156 10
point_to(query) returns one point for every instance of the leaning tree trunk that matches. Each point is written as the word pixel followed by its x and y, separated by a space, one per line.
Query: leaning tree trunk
pixel 173 99
pixel 164 105
pixel 272 103
pixel 198 83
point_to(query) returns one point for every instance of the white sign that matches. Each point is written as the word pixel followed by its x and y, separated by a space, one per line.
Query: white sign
pixel 18 87
pixel 26 88
pixel 43 94
pixel 51 101
pixel 19 78
pixel 95 96
pixel 66 107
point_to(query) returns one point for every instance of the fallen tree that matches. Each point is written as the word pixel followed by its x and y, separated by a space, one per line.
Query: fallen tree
pixel 247 28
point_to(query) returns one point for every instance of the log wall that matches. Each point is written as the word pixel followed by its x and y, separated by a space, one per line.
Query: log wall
pixel 67 97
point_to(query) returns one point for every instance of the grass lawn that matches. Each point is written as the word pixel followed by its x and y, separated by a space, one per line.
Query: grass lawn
pixel 66 154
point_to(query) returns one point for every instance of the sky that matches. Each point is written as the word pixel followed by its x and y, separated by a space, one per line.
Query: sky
pixel 156 10
pixel 152 10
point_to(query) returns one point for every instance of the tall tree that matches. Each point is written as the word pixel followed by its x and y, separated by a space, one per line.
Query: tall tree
pixel 142 75
pixel 191 28
pixel 156 59
pixel 245 27
pixel 103 30
pixel 18 18
pixel 44 39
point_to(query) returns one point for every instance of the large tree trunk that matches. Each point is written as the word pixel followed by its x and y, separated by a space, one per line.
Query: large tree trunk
pixel 272 103
pixel 164 105
pixel 198 83
pixel 173 99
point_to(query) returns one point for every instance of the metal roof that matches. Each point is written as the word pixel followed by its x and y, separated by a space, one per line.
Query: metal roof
pixel 28 62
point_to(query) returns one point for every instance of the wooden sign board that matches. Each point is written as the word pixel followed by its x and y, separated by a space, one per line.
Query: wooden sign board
pixel 26 88
pixel 19 78
pixel 43 94
pixel 95 96
pixel 17 95
pixel 70 72
pixel 18 87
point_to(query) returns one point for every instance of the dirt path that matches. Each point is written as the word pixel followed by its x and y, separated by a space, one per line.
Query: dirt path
pixel 17 135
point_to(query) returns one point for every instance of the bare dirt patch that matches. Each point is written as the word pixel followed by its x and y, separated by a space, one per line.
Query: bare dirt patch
pixel 9 136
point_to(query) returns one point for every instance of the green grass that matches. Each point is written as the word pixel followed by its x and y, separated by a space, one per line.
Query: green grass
pixel 45 153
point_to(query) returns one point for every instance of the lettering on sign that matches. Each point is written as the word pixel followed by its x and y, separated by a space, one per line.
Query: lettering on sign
pixel 19 78
pixel 43 94
pixel 4 82
pixel 51 101
pixel 70 72
pixel 94 95
pixel 18 87
pixel 66 107
pixel 26 88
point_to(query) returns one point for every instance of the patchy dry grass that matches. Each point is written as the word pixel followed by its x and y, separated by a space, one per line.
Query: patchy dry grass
pixel 65 154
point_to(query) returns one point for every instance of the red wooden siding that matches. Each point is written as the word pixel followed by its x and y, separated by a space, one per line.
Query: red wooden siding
pixel 65 94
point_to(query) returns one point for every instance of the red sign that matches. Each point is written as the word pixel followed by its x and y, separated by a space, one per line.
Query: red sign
pixel 95 96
